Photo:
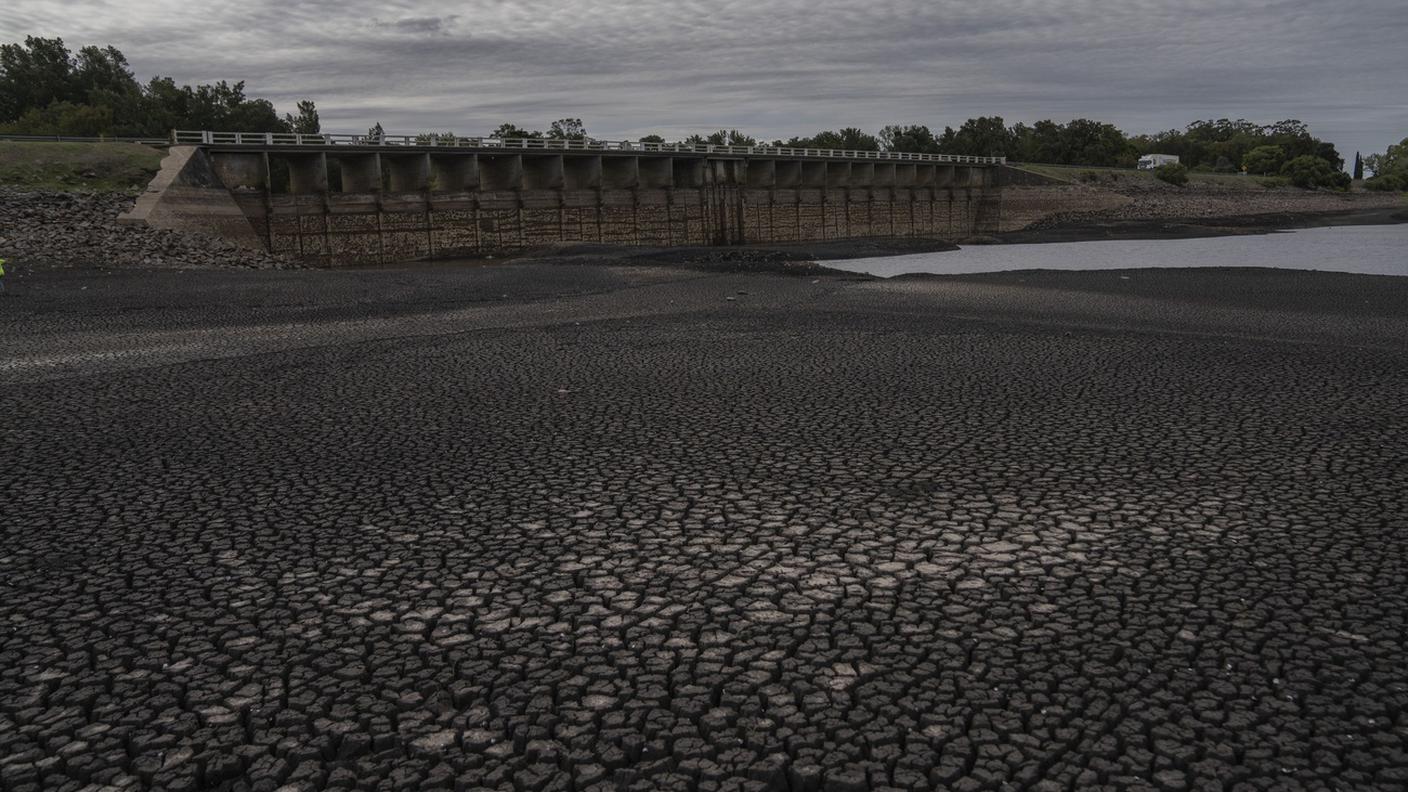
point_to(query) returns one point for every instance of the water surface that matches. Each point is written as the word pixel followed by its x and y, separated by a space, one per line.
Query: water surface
pixel 1371 250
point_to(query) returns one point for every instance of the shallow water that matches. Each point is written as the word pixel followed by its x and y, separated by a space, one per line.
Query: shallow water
pixel 1373 250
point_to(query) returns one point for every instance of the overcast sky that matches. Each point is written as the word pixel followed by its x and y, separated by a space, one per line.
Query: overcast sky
pixel 774 68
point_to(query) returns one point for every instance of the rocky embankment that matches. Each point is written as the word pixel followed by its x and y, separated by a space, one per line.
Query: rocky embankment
pixel 57 230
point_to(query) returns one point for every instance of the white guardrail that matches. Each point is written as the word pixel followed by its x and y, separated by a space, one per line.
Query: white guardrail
pixel 549 144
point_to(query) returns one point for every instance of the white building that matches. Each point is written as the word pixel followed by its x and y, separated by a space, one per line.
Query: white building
pixel 1151 161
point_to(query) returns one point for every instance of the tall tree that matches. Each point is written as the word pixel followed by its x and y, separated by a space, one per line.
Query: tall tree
pixel 306 122
pixel 728 137
pixel 1358 166
pixel 985 136
pixel 34 75
pixel 567 129
pixel 848 139
pixel 914 139
pixel 513 132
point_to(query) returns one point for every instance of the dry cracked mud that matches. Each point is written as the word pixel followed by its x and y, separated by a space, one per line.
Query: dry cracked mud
pixel 547 528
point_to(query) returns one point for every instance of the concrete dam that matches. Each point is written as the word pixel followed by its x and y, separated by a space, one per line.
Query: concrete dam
pixel 345 199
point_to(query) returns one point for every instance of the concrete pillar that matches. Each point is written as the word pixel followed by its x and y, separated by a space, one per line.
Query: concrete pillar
pixel 925 175
pixel 761 173
pixel 361 173
pixel 838 174
pixel 620 173
pixel 862 174
pixel 307 174
pixel 454 172
pixel 906 175
pixel 814 174
pixel 581 173
pixel 945 175
pixel 788 174
pixel 542 172
pixel 408 172
pixel 688 172
pixel 237 170
pixel 883 174
pixel 500 172
pixel 655 172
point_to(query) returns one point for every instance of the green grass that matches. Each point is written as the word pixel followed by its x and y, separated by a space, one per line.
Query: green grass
pixel 78 167
pixel 1114 176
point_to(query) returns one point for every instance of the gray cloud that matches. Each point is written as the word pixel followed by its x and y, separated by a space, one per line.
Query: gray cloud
pixel 424 25
pixel 774 67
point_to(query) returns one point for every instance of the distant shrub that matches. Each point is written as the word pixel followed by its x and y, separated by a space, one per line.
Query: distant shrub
pixel 1174 173
pixel 1389 182
pixel 1310 172
pixel 1264 160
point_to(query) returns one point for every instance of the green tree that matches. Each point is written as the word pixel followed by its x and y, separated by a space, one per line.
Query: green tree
pixel 100 72
pixel 567 129
pixel 848 139
pixel 1264 160
pixel 1040 142
pixel 1358 167
pixel 651 139
pixel 1309 171
pixel 853 139
pixel 1390 168
pixel 724 137
pixel 1393 160
pixel 985 136
pixel 513 132
pixel 915 139
pixel 34 75
pixel 376 133
pixel 306 122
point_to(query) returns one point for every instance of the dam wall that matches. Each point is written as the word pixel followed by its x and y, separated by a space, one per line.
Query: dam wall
pixel 340 204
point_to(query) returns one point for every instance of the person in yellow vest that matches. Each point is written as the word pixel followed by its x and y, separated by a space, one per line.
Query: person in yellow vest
pixel 2 274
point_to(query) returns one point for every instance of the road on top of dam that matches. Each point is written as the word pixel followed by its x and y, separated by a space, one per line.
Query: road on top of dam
pixel 542 527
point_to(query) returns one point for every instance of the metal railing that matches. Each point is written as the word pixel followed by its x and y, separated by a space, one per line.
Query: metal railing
pixel 77 139
pixel 207 138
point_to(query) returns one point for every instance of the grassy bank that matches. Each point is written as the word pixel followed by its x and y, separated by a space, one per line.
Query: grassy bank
pixel 1108 176
pixel 78 167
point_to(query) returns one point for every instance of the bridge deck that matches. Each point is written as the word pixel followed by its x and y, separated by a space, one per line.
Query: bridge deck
pixel 280 141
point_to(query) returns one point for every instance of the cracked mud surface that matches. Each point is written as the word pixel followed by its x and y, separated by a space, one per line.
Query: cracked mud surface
pixel 556 529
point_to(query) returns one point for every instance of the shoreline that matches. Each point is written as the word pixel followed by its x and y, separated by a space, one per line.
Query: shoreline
pixel 1199 227
pixel 812 258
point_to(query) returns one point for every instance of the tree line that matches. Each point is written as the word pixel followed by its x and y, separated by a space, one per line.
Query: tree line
pixel 47 89
pixel 1285 148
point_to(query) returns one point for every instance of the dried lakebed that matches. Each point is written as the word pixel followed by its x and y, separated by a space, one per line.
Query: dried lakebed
pixel 551 528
